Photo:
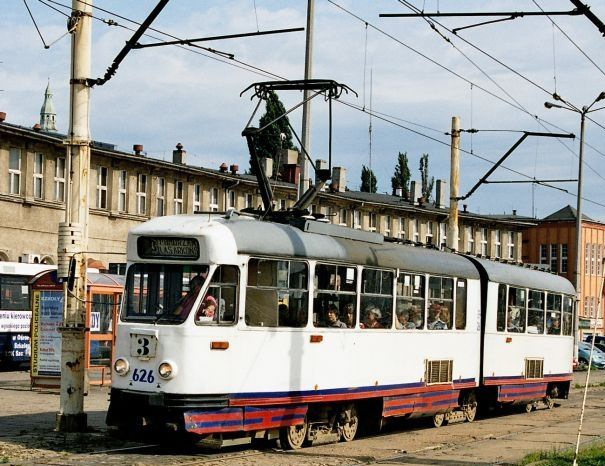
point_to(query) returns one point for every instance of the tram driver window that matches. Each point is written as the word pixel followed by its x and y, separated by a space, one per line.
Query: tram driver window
pixel 334 303
pixel 277 294
pixel 553 314
pixel 567 315
pixel 219 304
pixel 460 304
pixel 501 317
pixel 376 298
pixel 535 312
pixel 409 310
pixel 441 301
pixel 515 319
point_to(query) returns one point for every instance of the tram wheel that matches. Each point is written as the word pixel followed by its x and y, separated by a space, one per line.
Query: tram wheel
pixel 470 408
pixel 549 402
pixel 349 429
pixel 293 437
pixel 439 420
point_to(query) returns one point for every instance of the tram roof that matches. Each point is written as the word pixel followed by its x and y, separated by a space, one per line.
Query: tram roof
pixel 262 238
pixel 526 278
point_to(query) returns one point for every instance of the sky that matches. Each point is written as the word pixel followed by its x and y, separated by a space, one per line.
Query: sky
pixel 398 66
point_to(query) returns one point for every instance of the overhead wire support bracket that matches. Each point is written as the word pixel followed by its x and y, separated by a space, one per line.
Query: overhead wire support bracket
pixel 129 45
pixel 211 38
pixel 262 90
pixel 484 178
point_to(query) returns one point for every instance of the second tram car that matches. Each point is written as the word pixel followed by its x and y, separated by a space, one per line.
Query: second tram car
pixel 231 326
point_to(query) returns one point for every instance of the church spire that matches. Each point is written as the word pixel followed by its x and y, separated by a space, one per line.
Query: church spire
pixel 47 112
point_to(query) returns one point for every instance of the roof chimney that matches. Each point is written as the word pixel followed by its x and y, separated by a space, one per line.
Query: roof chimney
pixel 464 206
pixel 2 116
pixel 178 155
pixel 234 168
pixel 415 192
pixel 514 211
pixel 223 167
pixel 137 148
pixel 398 192
pixel 266 164
pixel 441 194
pixel 339 179
pixel 37 127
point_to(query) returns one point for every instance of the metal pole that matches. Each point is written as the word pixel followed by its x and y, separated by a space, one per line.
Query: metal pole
pixel 303 182
pixel 73 232
pixel 594 333
pixel 578 267
pixel 452 237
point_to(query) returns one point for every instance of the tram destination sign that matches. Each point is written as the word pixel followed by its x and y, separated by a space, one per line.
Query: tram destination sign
pixel 149 247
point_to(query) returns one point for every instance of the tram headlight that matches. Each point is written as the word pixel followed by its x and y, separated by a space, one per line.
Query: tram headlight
pixel 121 366
pixel 167 370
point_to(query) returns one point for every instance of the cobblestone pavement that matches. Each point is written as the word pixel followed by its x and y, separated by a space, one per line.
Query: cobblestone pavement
pixel 27 437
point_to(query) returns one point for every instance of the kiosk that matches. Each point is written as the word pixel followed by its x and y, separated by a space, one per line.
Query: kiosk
pixel 104 292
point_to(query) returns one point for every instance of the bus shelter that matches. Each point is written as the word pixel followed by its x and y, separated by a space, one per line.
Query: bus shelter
pixel 103 295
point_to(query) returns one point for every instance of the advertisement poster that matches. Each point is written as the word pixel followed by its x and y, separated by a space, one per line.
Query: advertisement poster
pixel 14 321
pixel 47 317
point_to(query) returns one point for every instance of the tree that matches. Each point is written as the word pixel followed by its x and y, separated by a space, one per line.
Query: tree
pixel 275 137
pixel 401 178
pixel 368 180
pixel 427 184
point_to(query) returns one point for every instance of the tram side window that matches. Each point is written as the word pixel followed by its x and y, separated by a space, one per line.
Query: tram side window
pixel 535 312
pixel 567 315
pixel 501 317
pixel 14 293
pixel 441 301
pixel 376 298
pixel 219 305
pixel 277 294
pixel 553 314
pixel 460 304
pixel 410 302
pixel 515 319
pixel 335 297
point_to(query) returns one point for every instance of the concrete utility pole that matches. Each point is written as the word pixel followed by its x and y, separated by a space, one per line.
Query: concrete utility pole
pixel 578 267
pixel 452 237
pixel 73 232
pixel 303 182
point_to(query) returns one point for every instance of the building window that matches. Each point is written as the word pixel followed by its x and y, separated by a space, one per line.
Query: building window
pixel 442 236
pixel 543 254
pixel 387 225
pixel 160 193
pixel 554 259
pixel 470 239
pixel 60 179
pixel 372 220
pixel 587 259
pixel 599 259
pixel 498 244
pixel 213 200
pixel 342 217
pixel 122 190
pixel 586 307
pixel 14 171
pixel 38 175
pixel 510 247
pixel 197 198
pixel 357 219
pixel 282 204
pixel 483 241
pixel 593 258
pixel 231 201
pixel 402 228
pixel 564 258
pixel 416 231
pixel 249 201
pixel 178 197
pixel 142 194
pixel 117 268
pixel 102 188
pixel 428 239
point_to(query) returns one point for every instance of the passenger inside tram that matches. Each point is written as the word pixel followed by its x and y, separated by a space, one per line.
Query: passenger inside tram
pixel 373 316
pixel 403 320
pixel 332 317
pixel 349 315
pixel 207 309
pixel 434 321
pixel 416 316
pixel 184 306
pixel 512 323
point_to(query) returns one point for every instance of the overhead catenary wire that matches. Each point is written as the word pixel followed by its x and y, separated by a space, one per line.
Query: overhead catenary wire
pixel 382 116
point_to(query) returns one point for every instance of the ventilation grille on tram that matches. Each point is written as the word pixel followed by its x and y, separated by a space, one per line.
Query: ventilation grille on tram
pixel 534 368
pixel 439 371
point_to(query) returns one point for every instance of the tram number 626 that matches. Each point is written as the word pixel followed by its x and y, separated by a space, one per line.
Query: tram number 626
pixel 142 375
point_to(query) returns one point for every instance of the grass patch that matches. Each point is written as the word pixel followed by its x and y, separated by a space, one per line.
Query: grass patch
pixel 593 455
pixel 590 385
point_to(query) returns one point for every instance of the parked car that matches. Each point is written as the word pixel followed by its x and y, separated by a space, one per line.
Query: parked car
pixel 598 356
pixel 601 346
pixel 598 339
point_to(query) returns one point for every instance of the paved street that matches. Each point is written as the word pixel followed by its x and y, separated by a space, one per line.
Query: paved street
pixel 27 438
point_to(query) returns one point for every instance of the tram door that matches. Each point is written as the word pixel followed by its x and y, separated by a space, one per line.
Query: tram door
pixel 102 317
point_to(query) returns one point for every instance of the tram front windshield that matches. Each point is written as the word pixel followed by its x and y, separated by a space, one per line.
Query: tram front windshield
pixel 162 293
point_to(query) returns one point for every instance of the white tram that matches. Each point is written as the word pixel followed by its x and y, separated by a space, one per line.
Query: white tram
pixel 231 327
